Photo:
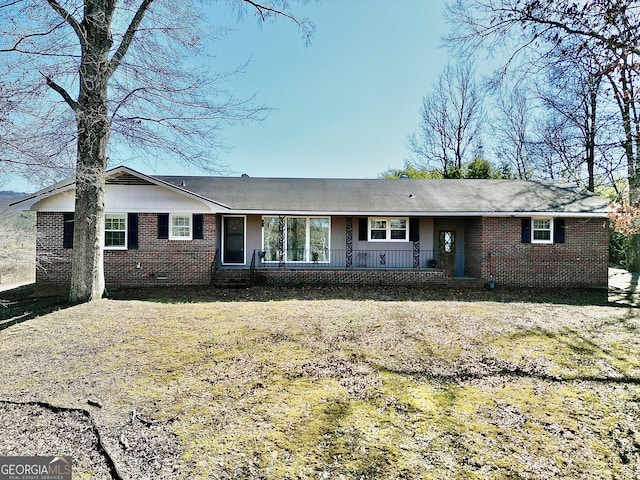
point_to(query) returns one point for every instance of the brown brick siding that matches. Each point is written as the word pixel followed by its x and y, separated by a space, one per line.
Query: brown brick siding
pixel 351 276
pixel 495 249
pixel 472 245
pixel 492 247
pixel 181 262
pixel 53 262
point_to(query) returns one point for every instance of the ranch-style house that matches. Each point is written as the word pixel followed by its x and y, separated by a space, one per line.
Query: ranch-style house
pixel 199 230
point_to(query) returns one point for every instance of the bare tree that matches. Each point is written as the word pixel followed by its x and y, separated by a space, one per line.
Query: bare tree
pixel 611 24
pixel 579 122
pixel 449 122
pixel 512 130
pixel 607 31
pixel 82 72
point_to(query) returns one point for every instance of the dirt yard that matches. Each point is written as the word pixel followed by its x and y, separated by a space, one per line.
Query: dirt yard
pixel 324 384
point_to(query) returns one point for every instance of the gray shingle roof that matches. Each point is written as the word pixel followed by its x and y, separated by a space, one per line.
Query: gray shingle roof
pixel 382 196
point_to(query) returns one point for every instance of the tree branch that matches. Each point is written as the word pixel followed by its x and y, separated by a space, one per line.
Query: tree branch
pixel 24 38
pixel 265 11
pixel 127 38
pixel 261 9
pixel 67 17
pixel 63 93
pixel 611 42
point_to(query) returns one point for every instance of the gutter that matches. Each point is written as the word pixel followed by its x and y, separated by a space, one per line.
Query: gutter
pixel 377 213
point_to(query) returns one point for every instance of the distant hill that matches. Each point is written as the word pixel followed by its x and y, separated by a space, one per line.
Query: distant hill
pixel 9 196
pixel 17 240
pixel 14 216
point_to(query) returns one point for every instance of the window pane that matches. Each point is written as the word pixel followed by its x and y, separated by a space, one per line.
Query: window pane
pixel 114 239
pixel 181 221
pixel 542 229
pixel 114 222
pixel 319 239
pixel 542 235
pixel 270 240
pixel 296 239
pixel 389 229
pixel 180 232
pixel 181 226
pixel 448 242
pixel 542 224
pixel 115 227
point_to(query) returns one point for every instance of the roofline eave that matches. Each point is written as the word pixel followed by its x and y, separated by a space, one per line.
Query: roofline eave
pixel 45 193
pixel 346 213
pixel 69 184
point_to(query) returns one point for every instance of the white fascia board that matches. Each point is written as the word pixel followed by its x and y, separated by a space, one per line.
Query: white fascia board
pixel 60 187
pixel 66 203
pixel 417 214
pixel 549 214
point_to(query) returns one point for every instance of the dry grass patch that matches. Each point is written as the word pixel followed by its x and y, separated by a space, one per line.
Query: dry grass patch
pixel 341 389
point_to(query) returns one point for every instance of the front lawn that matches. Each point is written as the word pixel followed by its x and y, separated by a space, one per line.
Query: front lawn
pixel 328 389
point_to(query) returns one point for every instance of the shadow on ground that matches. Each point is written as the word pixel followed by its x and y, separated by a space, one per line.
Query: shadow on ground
pixel 26 302
pixel 385 293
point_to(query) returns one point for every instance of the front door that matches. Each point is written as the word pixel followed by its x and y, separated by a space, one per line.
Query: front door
pixel 447 245
pixel 233 240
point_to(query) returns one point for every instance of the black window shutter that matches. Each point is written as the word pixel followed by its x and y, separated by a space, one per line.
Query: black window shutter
pixel 414 229
pixel 198 230
pixel 558 230
pixel 67 233
pixel 362 229
pixel 132 231
pixel 526 230
pixel 163 225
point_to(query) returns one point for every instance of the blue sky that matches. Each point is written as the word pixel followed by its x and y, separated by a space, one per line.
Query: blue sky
pixel 342 106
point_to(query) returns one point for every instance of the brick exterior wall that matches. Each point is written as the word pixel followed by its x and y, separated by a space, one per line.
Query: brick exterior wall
pixel 491 247
pixel 473 244
pixel 154 262
pixel 351 276
pixel 53 262
pixel 495 248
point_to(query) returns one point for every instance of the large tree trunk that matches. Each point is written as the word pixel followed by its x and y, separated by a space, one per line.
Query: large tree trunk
pixel 633 240
pixel 591 129
pixel 87 274
pixel 87 271
pixel 631 124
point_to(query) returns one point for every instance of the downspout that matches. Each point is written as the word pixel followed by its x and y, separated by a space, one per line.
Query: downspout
pixel 491 284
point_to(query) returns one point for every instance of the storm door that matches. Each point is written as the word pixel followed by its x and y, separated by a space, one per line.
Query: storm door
pixel 233 240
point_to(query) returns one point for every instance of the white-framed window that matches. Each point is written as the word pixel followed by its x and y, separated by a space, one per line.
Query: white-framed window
pixel 180 226
pixel 542 230
pixel 115 231
pixel 389 229
pixel 306 239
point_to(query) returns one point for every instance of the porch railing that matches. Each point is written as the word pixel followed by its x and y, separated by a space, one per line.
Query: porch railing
pixel 252 267
pixel 331 259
